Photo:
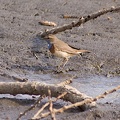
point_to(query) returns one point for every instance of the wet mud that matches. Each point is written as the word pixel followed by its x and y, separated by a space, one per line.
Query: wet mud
pixel 92 73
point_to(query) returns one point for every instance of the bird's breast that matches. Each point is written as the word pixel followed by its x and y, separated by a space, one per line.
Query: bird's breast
pixel 51 48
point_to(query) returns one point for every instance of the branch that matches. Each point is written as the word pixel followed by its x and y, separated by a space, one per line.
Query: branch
pixel 44 106
pixel 81 20
pixel 51 106
pixel 86 101
pixel 37 88
pixel 32 107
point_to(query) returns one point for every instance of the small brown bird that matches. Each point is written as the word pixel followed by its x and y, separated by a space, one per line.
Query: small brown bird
pixel 61 49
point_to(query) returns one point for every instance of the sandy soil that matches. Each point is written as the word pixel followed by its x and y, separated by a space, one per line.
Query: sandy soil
pixel 19 25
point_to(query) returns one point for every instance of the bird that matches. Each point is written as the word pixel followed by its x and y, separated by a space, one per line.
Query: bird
pixel 61 49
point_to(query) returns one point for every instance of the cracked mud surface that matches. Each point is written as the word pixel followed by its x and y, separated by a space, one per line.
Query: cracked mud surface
pixel 19 25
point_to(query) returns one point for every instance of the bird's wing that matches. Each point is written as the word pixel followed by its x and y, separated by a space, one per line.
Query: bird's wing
pixel 64 47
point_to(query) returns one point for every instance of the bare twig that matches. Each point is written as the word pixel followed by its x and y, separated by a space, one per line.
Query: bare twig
pixel 60 96
pixel 52 110
pixel 35 56
pixel 39 111
pixel 69 16
pixel 51 106
pixel 86 101
pixel 65 83
pixel 32 107
pixel 81 20
pixel 47 23
pixel 36 116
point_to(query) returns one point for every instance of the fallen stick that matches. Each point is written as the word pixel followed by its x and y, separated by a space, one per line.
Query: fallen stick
pixel 81 20
pixel 51 106
pixel 69 16
pixel 47 23
pixel 38 88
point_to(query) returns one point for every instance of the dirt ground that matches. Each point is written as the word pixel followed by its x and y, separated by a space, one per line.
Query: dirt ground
pixel 19 25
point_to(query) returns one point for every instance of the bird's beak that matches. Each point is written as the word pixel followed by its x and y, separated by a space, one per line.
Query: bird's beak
pixel 46 37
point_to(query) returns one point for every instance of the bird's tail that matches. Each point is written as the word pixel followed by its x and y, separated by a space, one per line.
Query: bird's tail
pixel 83 51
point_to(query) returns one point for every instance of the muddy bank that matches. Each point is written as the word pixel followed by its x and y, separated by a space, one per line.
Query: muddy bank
pixel 19 25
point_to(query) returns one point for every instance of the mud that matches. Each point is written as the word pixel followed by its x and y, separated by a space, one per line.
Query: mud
pixel 93 73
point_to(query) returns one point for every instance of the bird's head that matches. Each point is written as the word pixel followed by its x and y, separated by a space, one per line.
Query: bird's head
pixel 51 38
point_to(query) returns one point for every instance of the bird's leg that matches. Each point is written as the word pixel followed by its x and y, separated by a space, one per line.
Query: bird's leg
pixel 64 62
pixel 58 67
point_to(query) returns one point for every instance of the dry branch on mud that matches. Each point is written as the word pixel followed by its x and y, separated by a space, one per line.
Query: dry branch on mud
pixel 81 20
pixel 38 88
